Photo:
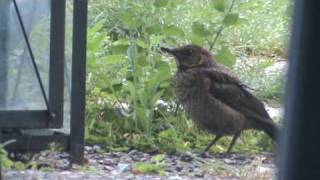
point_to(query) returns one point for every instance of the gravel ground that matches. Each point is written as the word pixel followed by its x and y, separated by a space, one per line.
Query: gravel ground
pixel 119 165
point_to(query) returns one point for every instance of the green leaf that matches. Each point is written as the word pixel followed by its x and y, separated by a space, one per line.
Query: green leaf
pixel 230 19
pixel 96 36
pixel 163 67
pixel 141 43
pixel 225 57
pixel 126 19
pixel 131 88
pixel 130 20
pixel 175 3
pixel 199 29
pixel 119 49
pixel 113 59
pixel 156 97
pixel 173 30
pixel 153 29
pixel 120 46
pixel 158 158
pixel 195 39
pixel 219 5
pixel 142 61
pixel 96 28
pixel 121 42
pixel 160 3
pixel 143 167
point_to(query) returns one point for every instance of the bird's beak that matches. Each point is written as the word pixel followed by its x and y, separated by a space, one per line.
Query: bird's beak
pixel 168 50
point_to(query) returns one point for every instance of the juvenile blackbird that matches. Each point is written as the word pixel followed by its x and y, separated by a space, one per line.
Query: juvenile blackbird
pixel 214 97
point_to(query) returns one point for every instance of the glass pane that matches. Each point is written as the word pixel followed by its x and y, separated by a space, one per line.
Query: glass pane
pixel 19 86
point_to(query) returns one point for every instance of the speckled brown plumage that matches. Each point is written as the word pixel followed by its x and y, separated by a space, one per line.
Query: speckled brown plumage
pixel 214 97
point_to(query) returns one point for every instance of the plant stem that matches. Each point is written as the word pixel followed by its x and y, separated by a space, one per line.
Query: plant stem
pixel 211 45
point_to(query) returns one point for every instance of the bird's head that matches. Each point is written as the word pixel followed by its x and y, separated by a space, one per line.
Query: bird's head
pixel 190 56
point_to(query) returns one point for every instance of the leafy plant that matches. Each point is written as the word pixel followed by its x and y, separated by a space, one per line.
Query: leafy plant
pixel 130 95
pixel 156 167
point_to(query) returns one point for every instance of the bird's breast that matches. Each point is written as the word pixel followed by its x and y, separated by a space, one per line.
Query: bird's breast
pixel 206 111
pixel 189 88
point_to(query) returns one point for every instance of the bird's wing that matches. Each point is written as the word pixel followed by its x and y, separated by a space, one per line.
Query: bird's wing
pixel 225 87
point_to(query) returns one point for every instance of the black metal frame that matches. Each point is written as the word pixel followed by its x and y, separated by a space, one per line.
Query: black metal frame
pixel 3 51
pixel 74 142
pixel 300 146
pixel 43 118
pixel 79 41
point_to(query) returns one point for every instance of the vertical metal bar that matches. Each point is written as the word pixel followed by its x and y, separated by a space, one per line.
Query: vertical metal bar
pixel 4 29
pixel 79 44
pixel 0 156
pixel 300 146
pixel 56 72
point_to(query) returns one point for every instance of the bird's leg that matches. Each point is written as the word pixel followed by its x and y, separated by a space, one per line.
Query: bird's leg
pixel 211 144
pixel 235 137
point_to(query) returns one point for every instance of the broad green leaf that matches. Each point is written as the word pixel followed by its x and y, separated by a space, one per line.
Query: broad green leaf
pixel 113 59
pixel 225 57
pixel 120 46
pixel 96 37
pixel 230 19
pixel 153 84
pixel 97 27
pixel 157 78
pixel 96 42
pixel 195 39
pixel 199 29
pixel 131 88
pixel 156 97
pixel 121 42
pixel 142 61
pixel 119 49
pixel 153 29
pixel 126 19
pixel 163 67
pixel 130 20
pixel 219 5
pixel 141 43
pixel 173 30
pixel 160 3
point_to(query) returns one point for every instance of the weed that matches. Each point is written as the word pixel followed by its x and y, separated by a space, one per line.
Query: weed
pixel 130 95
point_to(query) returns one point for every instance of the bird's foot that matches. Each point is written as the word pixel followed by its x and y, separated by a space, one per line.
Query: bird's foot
pixel 224 155
pixel 205 155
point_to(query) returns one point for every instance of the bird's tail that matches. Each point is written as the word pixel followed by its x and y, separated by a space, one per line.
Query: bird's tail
pixel 271 129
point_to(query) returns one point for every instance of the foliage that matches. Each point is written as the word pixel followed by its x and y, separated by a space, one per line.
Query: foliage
pixel 130 95
pixel 143 167
pixel 268 84
pixel 156 167
pixel 4 159
pixel 7 163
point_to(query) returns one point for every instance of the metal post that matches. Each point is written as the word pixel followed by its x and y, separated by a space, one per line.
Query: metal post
pixel 4 25
pixel 56 82
pixel 300 146
pixel 79 44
